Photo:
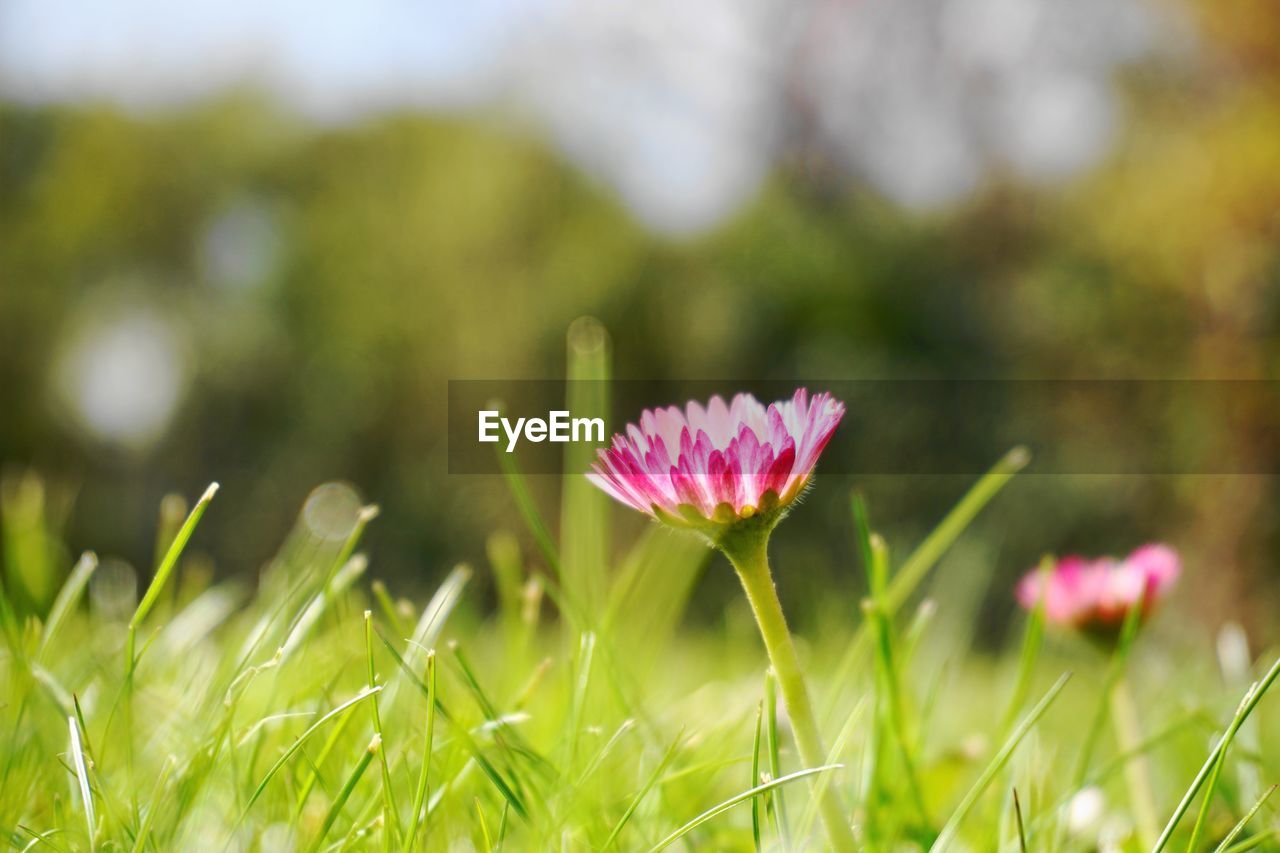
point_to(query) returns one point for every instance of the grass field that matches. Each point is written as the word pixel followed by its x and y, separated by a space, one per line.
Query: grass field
pixel 316 710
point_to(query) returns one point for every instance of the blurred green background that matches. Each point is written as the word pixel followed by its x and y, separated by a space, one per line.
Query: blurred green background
pixel 230 288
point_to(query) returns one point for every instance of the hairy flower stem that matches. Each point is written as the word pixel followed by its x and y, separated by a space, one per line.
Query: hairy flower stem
pixel 746 546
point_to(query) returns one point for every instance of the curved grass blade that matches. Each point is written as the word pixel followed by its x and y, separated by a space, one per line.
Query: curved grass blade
pixel 584 509
pixel 997 764
pixel 303 738
pixel 144 831
pixel 391 813
pixel 364 515
pixel 887 670
pixel 644 789
pixel 484 827
pixel 67 598
pixel 494 776
pixel 38 838
pixel 529 512
pixel 735 800
pixel 1252 843
pixel 1114 675
pixel 310 615
pixel 1032 640
pixel 165 569
pixel 420 793
pixel 926 555
pixel 427 630
pixel 601 754
pixel 82 777
pixel 1244 821
pixel 1250 701
pixel 375 746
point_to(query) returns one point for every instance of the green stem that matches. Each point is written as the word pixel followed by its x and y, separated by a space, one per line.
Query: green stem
pixel 746 546
pixel 1129 734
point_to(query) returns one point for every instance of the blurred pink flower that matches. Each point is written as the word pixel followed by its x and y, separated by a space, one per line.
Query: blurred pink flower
pixel 707 467
pixel 1096 595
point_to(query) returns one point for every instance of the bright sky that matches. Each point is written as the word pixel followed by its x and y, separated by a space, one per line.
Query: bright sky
pixel 682 107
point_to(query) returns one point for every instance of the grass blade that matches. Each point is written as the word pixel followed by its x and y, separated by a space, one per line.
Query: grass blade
pixel 1244 821
pixel 649 594
pixel 1250 701
pixel 888 673
pixel 755 777
pixel 165 569
pixel 1032 640
pixel 997 764
pixel 364 515
pixel 302 739
pixel 390 812
pixel 67 599
pixel 529 511
pixel 1017 815
pixel 428 741
pixel 484 827
pixel 927 554
pixel 772 741
pixel 144 831
pixel 720 808
pixel 507 563
pixel 388 607
pixel 375 746
pixel 82 777
pixel 494 776
pixel 1114 674
pixel 310 615
pixel 644 789
pixel 584 509
pixel 1252 843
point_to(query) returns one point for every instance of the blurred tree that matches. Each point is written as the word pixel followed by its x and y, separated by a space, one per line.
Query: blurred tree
pixel 323 283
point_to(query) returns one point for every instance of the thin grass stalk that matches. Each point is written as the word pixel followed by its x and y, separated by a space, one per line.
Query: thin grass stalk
pixel 1032 641
pixel 1231 836
pixel 1124 713
pixel 584 509
pixel 755 777
pixel 344 794
pixel 1115 671
pixel 751 793
pixel 428 745
pixel 775 801
pixel 1250 701
pixel 67 599
pixel 888 673
pixel 1022 830
pixel 648 785
pixel 390 814
pixel 82 779
pixel 162 574
pixel 926 555
pixel 952 827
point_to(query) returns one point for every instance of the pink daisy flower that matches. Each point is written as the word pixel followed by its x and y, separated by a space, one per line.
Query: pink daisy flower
pixel 714 465
pixel 1096 595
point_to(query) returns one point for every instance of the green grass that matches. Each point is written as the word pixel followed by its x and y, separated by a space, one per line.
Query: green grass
pixel 303 714
pixel 315 708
